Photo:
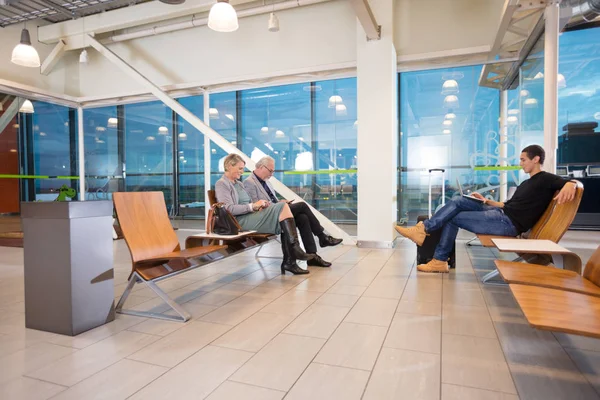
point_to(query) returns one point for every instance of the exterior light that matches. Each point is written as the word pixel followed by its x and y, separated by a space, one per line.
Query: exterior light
pixel 450 87
pixel 334 100
pixel 112 122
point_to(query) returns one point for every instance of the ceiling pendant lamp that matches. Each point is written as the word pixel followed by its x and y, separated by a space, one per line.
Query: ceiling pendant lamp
pixel 24 53
pixel 273 23
pixel 450 87
pixel 27 107
pixel 561 82
pixel 222 17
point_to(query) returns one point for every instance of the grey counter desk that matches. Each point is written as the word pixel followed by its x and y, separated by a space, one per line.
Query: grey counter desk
pixel 68 249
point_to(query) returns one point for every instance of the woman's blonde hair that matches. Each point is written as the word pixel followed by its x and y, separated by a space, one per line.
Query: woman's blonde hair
pixel 231 160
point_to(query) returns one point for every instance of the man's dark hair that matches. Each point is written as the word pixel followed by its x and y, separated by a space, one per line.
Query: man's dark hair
pixel 535 150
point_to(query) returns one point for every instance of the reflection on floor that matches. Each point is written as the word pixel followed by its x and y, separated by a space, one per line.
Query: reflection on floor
pixel 370 327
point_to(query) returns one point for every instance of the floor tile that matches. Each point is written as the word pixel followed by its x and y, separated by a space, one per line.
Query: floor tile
pixel 372 311
pixel 239 391
pixel 176 347
pixel 24 388
pixel 467 320
pixel 415 332
pixel 30 359
pixel 159 327
pixel 419 308
pixel 292 303
pixel 351 290
pixel 233 313
pixel 118 381
pixel 453 392
pixel 84 363
pixel 476 362
pixel 386 287
pixel 326 382
pixel 338 300
pixel 588 363
pixel 364 340
pixel 317 321
pixel 95 335
pixel 404 374
pixel 255 332
pixel 196 377
pixel 549 384
pixel 279 364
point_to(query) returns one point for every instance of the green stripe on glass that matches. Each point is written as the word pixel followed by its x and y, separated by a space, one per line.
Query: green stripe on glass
pixel 323 172
pixel 36 176
pixel 508 168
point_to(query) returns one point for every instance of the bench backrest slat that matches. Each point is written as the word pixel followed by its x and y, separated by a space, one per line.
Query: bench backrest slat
pixel 561 218
pixel 145 224
pixel 592 268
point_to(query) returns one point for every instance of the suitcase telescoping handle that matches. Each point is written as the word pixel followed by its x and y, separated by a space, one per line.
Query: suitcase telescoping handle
pixel 443 171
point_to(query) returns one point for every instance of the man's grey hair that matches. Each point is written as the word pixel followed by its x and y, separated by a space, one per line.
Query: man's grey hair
pixel 263 161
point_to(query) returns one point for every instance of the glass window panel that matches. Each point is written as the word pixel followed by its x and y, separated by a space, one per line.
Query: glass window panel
pixel 276 121
pixel 103 171
pixel 190 142
pixel 149 149
pixel 578 117
pixel 54 148
pixel 223 120
pixel 446 121
pixel 336 141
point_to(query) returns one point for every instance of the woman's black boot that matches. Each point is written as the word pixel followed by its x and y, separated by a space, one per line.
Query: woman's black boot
pixel 288 229
pixel 289 264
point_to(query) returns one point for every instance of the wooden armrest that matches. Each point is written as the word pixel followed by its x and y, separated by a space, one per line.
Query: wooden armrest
pixel 486 240
pixel 545 276
pixel 529 246
pixel 559 310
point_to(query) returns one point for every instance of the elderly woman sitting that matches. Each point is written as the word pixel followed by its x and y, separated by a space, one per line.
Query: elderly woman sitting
pixel 276 218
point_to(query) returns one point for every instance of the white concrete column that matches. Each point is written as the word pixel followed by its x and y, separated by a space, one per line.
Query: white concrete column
pixel 551 14
pixel 206 117
pixel 503 150
pixel 81 153
pixel 377 130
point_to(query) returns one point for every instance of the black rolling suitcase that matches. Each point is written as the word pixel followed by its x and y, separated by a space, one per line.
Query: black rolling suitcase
pixel 426 250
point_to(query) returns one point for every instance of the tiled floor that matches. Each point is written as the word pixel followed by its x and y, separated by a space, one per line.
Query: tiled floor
pixel 370 327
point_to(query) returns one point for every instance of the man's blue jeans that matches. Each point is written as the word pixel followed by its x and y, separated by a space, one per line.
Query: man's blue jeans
pixel 470 215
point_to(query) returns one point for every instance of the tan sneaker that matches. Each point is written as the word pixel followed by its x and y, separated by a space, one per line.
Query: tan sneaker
pixel 417 233
pixel 434 266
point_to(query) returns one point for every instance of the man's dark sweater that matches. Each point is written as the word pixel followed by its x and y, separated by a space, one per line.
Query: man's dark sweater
pixel 531 199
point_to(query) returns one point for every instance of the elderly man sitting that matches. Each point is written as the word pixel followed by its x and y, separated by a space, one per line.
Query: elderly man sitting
pixel 258 188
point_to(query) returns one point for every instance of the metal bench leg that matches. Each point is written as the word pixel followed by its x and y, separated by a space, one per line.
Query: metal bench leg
pixel 469 243
pixel 182 317
pixel 261 247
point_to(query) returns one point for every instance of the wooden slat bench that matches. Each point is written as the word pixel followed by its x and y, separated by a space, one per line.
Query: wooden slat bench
pixel 552 225
pixel 557 300
pixel 559 310
pixel 154 247
pixel 554 278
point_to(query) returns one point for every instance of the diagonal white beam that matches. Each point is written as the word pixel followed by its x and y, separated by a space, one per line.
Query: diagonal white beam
pixel 219 140
pixel 9 113
pixel 366 18
pixel 53 58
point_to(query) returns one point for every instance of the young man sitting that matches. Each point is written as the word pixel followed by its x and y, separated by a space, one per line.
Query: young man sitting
pixel 511 218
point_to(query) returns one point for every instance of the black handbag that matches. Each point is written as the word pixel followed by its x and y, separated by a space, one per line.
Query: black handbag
pixel 222 222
